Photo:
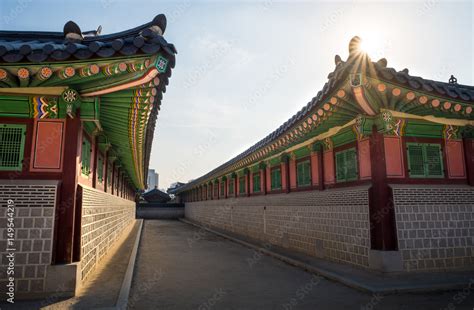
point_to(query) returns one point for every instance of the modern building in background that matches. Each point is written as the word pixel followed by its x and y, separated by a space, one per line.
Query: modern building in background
pixel 77 117
pixel 152 180
pixel 376 171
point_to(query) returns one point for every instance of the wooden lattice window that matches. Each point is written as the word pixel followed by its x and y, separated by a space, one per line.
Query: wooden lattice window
pixel 222 188
pixel 242 185
pixel 425 160
pixel 303 173
pixel 256 182
pixel 346 165
pixel 100 169
pixel 276 179
pixel 12 146
pixel 86 156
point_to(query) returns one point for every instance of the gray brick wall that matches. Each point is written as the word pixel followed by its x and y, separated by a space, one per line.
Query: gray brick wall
pixel 435 226
pixel 333 224
pixel 145 212
pixel 104 220
pixel 34 203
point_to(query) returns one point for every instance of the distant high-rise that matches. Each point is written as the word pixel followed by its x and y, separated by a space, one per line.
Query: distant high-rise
pixel 152 180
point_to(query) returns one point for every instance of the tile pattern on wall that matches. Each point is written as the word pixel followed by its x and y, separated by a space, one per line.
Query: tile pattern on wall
pixel 34 205
pixel 333 224
pixel 435 226
pixel 105 217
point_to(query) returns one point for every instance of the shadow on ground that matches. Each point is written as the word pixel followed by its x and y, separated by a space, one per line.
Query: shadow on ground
pixel 101 289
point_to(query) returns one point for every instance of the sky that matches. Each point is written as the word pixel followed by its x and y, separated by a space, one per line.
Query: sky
pixel 244 67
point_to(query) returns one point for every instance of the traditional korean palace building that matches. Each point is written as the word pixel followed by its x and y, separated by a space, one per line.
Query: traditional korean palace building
pixel 376 171
pixel 77 116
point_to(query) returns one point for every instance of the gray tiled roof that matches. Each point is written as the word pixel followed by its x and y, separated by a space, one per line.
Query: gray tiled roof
pixel 340 73
pixel 30 46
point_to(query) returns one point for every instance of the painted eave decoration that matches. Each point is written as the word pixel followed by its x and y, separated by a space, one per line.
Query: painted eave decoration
pixel 357 89
pixel 115 81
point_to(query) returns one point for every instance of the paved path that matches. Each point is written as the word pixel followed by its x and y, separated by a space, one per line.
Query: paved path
pixel 182 267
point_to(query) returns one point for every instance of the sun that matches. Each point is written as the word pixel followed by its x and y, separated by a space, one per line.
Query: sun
pixel 369 46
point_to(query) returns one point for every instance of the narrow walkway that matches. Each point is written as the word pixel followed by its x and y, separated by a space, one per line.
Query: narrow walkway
pixel 182 267
pixel 101 289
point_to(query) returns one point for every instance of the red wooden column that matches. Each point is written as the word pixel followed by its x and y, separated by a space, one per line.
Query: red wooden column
pixel 122 188
pixel 292 172
pixel 113 179
pixel 120 192
pixel 66 208
pixel 123 185
pixel 319 150
pixel 211 186
pixel 268 181
pixel 94 160
pixel 116 178
pixel 285 172
pixel 247 182
pixel 225 187
pixel 236 180
pixel 382 215
pixel 329 167
pixel 468 144
pixel 263 175
pixel 117 189
pixel 119 174
pixel 118 182
pixel 106 167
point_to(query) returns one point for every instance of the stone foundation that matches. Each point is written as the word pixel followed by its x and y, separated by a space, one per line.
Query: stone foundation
pixel 333 224
pixel 105 219
pixel 34 204
pixel 435 226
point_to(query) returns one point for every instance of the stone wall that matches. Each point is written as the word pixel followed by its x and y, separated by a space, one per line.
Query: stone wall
pixel 149 212
pixel 34 203
pixel 435 226
pixel 333 224
pixel 104 220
